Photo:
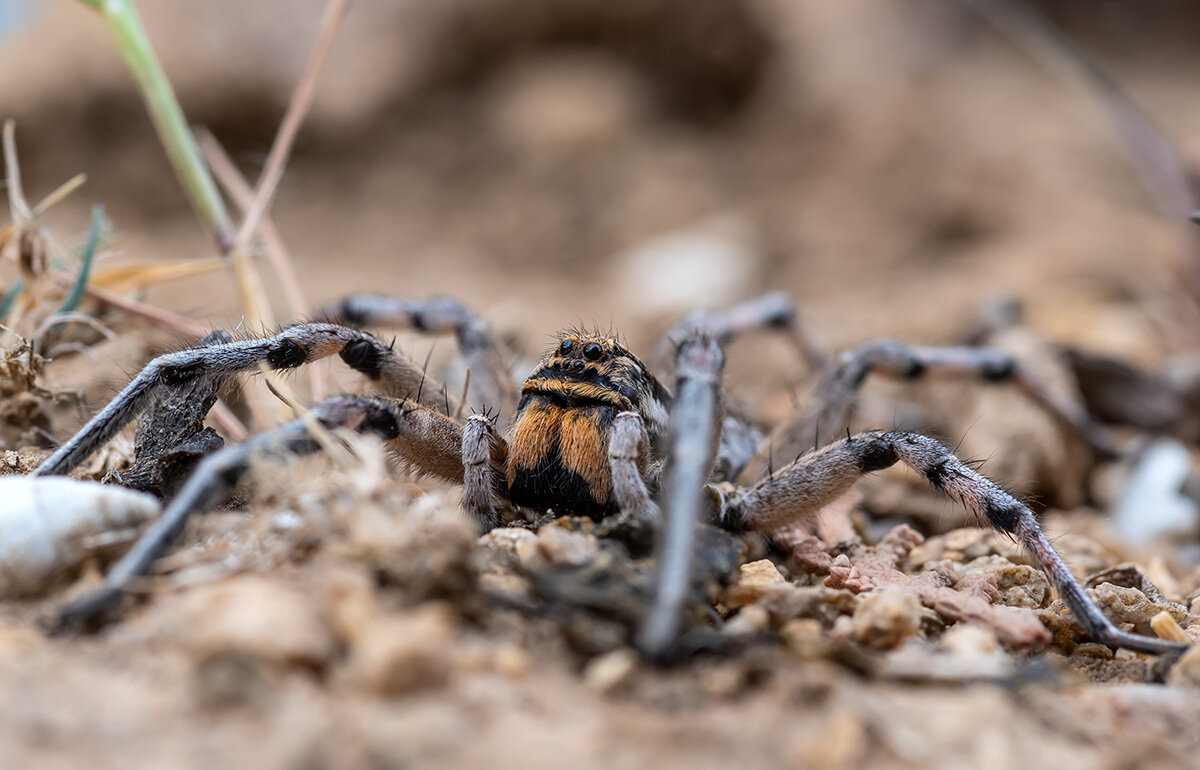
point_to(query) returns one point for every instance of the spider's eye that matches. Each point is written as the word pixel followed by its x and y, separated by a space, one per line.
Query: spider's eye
pixel 618 350
pixel 565 346
pixel 592 351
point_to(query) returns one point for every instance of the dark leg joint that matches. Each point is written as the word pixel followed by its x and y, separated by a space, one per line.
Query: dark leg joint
pixel 873 453
pixel 364 357
pixel 287 355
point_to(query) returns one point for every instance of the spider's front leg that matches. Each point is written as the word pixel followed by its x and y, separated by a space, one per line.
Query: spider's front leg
pixel 491 385
pixel 802 488
pixel 290 348
pixel 691 451
pixel 629 463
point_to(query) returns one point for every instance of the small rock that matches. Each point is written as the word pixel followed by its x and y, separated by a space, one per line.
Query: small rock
pixel 1130 606
pixel 611 671
pixel 708 264
pixel 253 616
pixel 750 620
pixel 564 548
pixel 752 583
pixel 804 637
pixel 512 661
pixel 1186 671
pixel 1151 504
pixel 1020 585
pixel 400 654
pixel 504 547
pixel 885 618
pixel 970 639
pixel 787 601
pixel 963 545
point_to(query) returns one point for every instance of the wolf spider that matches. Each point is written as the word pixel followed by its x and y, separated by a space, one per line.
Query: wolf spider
pixel 592 431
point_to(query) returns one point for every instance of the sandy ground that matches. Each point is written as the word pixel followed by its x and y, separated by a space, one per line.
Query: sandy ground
pixel 894 168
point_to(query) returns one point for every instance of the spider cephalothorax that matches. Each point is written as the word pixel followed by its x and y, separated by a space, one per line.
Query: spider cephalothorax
pixel 558 442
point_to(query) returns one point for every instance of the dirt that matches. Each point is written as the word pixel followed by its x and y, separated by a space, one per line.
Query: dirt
pixel 894 167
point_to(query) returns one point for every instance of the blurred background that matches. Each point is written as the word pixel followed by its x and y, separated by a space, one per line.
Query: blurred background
pixel 892 165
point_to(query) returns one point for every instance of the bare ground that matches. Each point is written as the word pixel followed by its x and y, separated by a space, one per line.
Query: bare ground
pixel 893 168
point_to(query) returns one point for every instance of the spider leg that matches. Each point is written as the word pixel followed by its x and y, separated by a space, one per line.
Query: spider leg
pixel 219 473
pixel 395 375
pixel 691 451
pixel 806 485
pixel 289 348
pixel 774 310
pixel 628 451
pixel 827 412
pixel 491 386
pixel 483 455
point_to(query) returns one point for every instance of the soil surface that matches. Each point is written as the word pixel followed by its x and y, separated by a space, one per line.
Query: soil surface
pixel 899 170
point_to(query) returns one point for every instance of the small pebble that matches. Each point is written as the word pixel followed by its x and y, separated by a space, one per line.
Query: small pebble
pixel 752 583
pixel 251 616
pixel 885 618
pixel 750 620
pixel 1186 671
pixel 611 671
pixel 401 654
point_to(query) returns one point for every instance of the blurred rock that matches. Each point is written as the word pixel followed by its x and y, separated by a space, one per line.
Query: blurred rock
pixel 752 583
pixel 886 618
pixel 253 616
pixel 400 654
pixel 1151 504
pixel 709 264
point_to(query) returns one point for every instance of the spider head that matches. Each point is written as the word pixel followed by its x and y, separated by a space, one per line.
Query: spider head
pixel 585 368
pixel 584 357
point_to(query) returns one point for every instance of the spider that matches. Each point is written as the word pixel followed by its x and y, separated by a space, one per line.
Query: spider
pixel 593 431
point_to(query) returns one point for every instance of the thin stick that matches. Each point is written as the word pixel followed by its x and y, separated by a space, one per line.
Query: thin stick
pixel 462 402
pixel 316 430
pixel 173 321
pixel 239 190
pixel 302 98
pixel 64 189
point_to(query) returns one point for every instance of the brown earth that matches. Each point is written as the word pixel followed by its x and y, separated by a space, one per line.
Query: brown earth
pixel 893 167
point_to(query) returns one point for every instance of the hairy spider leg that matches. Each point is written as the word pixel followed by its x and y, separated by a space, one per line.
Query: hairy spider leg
pixel 287 349
pixel 216 476
pixel 802 488
pixel 826 414
pixel 491 385
pixel 691 452
pixel 772 311
pixel 629 463
pixel 290 348
pixel 484 454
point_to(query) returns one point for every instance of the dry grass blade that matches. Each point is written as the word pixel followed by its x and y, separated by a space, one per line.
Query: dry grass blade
pixel 319 432
pixel 17 206
pixel 166 318
pixel 64 189
pixel 239 189
pixel 122 278
pixel 301 101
